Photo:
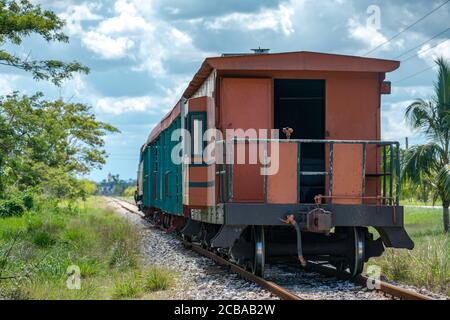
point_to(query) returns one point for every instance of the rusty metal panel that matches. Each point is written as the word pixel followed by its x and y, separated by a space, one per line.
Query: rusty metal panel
pixel 198 104
pixel 246 103
pixel 282 187
pixel 353 112
pixel 347 173
pixel 200 195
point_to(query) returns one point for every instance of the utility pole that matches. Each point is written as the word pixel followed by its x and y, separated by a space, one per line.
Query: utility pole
pixel 406 143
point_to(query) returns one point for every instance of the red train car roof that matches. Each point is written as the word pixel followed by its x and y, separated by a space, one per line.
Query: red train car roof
pixel 288 61
pixel 292 61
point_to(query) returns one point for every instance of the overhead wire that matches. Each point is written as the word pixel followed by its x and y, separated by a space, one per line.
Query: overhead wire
pixel 407 28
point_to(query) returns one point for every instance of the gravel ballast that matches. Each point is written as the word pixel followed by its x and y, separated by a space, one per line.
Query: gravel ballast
pixel 199 278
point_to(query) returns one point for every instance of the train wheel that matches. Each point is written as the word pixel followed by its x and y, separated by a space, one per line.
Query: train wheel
pixel 259 253
pixel 359 244
pixel 353 264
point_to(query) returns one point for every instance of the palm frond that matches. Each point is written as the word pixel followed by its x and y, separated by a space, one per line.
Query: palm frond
pixel 420 162
pixel 442 86
pixel 443 182
pixel 422 115
pixel 442 99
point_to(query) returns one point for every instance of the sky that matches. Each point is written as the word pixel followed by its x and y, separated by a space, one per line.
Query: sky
pixel 143 53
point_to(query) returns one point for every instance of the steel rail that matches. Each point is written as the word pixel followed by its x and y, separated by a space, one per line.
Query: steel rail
pixel 268 285
pixel 384 287
pixel 392 290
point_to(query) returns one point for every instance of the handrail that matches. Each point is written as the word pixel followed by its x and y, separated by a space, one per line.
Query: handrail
pixel 394 165
pixel 377 142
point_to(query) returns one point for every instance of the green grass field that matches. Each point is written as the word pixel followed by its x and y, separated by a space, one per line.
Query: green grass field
pixel 40 246
pixel 428 265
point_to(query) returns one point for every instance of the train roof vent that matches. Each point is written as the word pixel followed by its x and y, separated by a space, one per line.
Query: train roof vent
pixel 255 51
pixel 260 50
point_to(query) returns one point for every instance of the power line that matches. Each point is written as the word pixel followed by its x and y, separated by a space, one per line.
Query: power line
pixel 408 27
pixel 425 42
pixel 413 75
pixel 423 51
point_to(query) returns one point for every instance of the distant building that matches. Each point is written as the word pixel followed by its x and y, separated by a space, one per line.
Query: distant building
pixel 113 185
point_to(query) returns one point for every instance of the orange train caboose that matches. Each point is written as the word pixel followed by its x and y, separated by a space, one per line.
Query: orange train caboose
pixel 268 156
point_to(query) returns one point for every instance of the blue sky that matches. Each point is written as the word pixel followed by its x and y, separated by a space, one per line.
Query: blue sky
pixel 142 53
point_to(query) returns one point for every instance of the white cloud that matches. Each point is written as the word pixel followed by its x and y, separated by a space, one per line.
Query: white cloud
pixel 128 20
pixel 423 92
pixel 106 46
pixel 153 105
pixel 274 19
pixel 7 83
pixel 166 44
pixel 370 36
pixel 430 54
pixel 133 25
pixel 394 126
pixel 119 105
pixel 76 14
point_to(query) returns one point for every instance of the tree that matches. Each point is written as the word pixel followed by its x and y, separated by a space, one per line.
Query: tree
pixel 19 19
pixel 428 164
pixel 45 143
pixel 129 191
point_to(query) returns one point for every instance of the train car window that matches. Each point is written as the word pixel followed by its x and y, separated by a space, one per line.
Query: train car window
pixel 154 186
pixel 197 137
pixel 166 184
pixel 140 178
pixel 197 129
pixel 156 158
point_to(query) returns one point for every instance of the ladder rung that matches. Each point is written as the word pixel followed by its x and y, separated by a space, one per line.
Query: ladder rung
pixel 313 173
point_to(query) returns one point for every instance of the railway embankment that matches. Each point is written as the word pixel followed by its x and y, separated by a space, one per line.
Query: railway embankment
pixel 78 251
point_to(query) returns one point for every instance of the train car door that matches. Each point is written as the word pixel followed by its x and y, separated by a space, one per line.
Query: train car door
pixel 300 105
pixel 246 103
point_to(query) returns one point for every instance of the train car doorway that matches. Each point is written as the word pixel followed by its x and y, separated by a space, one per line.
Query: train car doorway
pixel 300 105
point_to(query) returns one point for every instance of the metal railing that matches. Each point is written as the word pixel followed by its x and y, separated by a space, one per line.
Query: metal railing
pixel 389 168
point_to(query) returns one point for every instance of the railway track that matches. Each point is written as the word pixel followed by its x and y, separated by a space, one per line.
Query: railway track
pixel 394 292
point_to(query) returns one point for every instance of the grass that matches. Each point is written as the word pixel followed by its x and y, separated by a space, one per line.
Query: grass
pixel 41 245
pixel 157 279
pixel 138 284
pixel 414 202
pixel 428 264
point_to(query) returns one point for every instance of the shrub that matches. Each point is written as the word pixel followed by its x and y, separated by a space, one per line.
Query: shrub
pixel 427 265
pixel 11 208
pixel 43 239
pixel 129 191
pixel 28 201
pixel 122 257
pixel 127 286
pixel 89 268
pixel 158 279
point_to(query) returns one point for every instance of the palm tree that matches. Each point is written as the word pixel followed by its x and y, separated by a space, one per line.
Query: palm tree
pixel 428 164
